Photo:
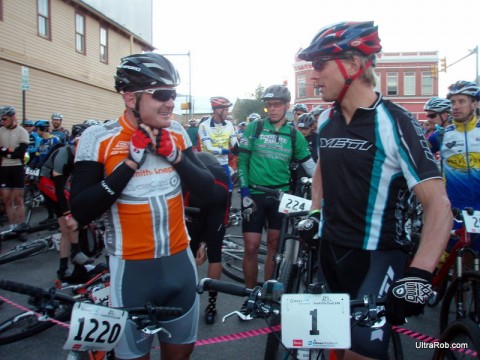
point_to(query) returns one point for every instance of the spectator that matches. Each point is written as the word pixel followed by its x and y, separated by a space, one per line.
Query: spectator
pixel 13 145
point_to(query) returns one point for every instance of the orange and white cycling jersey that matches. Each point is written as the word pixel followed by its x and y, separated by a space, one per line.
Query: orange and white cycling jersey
pixel 147 220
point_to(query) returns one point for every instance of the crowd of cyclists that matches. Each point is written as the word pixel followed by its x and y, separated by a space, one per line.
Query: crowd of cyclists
pixel 366 156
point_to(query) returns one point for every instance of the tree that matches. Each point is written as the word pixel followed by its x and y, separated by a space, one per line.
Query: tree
pixel 244 107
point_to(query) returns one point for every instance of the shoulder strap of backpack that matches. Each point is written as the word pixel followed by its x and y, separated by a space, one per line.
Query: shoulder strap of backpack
pixel 259 127
pixel 293 135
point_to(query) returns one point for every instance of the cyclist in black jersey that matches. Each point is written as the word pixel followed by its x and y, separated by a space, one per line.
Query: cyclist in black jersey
pixel 207 228
pixel 372 155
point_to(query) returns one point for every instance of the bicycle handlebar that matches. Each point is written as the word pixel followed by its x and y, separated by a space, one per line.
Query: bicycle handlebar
pixel 267 190
pixel 22 288
pixel 222 286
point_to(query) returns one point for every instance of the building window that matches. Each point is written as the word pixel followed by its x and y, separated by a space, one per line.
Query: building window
pixel 80 33
pixel 1 10
pixel 409 84
pixel 427 83
pixel 392 84
pixel 378 85
pixel 302 86
pixel 43 18
pixel 103 44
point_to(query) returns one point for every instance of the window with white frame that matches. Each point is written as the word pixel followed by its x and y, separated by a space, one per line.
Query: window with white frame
pixel 43 18
pixel 103 44
pixel 392 84
pixel 409 83
pixel 302 86
pixel 427 83
pixel 80 33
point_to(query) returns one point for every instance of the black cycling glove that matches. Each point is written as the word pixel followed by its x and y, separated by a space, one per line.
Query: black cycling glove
pixel 308 228
pixel 407 296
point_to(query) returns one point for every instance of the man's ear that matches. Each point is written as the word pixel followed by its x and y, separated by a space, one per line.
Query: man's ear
pixel 130 100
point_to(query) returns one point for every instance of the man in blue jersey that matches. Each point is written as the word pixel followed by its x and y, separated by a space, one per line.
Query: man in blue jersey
pixel 372 155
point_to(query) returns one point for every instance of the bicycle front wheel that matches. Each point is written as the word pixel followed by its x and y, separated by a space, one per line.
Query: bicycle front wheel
pixel 27 324
pixel 462 300
pixel 463 339
pixel 23 250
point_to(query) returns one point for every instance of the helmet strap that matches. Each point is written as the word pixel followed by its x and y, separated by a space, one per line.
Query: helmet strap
pixel 349 79
pixel 136 110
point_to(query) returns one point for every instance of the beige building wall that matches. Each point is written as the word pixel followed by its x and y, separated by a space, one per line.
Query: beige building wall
pixel 79 86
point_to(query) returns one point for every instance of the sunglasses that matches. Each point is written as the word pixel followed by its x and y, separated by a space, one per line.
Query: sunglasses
pixel 432 116
pixel 319 63
pixel 299 113
pixel 161 94
pixel 276 104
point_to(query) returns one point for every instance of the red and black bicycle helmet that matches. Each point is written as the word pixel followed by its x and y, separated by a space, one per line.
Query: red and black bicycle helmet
pixel 341 37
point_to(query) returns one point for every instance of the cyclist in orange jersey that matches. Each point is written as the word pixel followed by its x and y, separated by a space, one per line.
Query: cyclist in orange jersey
pixel 131 171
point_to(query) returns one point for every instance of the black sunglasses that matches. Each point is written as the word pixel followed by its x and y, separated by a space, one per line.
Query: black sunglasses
pixel 161 94
pixel 432 116
pixel 319 63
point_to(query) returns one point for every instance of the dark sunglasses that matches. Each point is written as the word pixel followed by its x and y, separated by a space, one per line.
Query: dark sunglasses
pixel 161 94
pixel 319 63
pixel 432 116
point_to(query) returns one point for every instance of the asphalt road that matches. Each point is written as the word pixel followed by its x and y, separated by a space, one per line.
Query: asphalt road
pixel 40 270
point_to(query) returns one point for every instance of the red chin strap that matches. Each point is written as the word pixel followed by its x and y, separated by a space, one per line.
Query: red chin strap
pixel 349 80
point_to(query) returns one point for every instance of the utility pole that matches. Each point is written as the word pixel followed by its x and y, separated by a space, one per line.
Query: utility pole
pixel 189 79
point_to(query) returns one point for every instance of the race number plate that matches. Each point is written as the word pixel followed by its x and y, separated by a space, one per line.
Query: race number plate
pixel 292 203
pixel 312 321
pixel 32 172
pixel 95 327
pixel 472 222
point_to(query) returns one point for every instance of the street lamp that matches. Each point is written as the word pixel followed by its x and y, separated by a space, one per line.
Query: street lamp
pixel 189 79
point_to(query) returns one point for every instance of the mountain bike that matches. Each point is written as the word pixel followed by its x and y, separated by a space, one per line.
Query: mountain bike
pixel 232 257
pixel 462 296
pixel 30 248
pixel 270 300
pixel 92 327
pixel 460 340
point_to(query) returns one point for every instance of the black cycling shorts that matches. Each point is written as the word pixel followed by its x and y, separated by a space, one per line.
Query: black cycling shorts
pixel 362 272
pixel 266 214
pixel 12 177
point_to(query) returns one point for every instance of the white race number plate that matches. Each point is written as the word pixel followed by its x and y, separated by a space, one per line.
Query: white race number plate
pixel 292 203
pixel 316 321
pixel 94 327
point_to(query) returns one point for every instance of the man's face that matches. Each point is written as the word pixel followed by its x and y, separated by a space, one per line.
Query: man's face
pixel 328 78
pixel 29 128
pixel 156 106
pixel 462 107
pixel 9 121
pixel 276 109
pixel 306 131
pixel 221 114
pixel 436 118
pixel 296 114
pixel 56 123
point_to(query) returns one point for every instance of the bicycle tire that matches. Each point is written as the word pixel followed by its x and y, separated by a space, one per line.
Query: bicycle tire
pixel 460 331
pixel 469 284
pixel 232 267
pixel 286 274
pixel 27 324
pixel 28 197
pixel 23 250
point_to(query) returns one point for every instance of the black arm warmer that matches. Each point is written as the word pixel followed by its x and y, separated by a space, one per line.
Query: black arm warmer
pixel 235 149
pixel 60 182
pixel 195 176
pixel 18 153
pixel 92 194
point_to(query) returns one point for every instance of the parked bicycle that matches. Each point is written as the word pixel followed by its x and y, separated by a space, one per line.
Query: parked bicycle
pixel 30 248
pixel 462 297
pixel 265 302
pixel 460 340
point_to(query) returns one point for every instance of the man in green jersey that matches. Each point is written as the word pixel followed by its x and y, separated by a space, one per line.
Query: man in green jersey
pixel 264 159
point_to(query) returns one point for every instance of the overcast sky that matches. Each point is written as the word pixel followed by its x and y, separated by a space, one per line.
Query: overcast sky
pixel 235 46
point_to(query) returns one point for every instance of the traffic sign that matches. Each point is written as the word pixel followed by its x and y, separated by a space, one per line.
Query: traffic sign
pixel 25 78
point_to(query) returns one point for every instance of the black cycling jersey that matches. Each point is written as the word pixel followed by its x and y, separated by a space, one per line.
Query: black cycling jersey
pixel 376 160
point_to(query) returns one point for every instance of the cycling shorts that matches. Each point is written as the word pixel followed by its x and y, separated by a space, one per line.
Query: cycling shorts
pixel 362 272
pixel 266 213
pixel 12 177
pixel 166 281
